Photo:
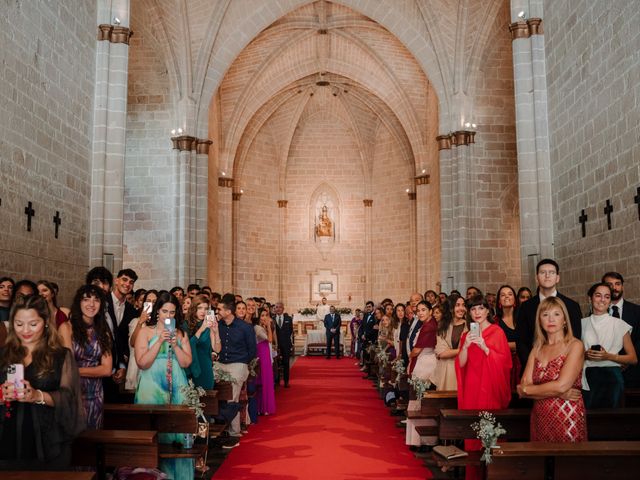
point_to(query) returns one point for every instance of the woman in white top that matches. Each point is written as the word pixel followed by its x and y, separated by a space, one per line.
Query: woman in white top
pixel 603 337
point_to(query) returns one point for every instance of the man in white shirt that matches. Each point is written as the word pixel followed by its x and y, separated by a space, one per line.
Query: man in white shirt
pixel 322 309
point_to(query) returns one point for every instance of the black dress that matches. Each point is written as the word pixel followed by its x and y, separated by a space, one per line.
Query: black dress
pixel 35 436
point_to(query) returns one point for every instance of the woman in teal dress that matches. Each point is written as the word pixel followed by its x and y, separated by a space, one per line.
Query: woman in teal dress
pixel 162 356
pixel 204 339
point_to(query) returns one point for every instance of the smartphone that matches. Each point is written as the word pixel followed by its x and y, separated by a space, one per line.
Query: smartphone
pixel 170 324
pixel 15 375
pixel 474 329
pixel 147 307
pixel 211 316
pixel 597 348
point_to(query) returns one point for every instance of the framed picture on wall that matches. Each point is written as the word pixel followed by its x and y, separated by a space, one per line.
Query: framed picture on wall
pixel 325 287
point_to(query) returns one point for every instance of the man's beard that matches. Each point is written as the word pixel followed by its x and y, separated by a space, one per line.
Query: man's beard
pixel 615 296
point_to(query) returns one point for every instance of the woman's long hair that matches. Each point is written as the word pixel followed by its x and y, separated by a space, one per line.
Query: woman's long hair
pixel 499 309
pixel 166 297
pixel 447 318
pixel 47 348
pixel 192 319
pixel 541 337
pixel 80 328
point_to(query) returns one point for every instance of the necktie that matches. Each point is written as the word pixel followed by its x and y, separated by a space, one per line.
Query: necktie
pixel 280 321
pixel 615 311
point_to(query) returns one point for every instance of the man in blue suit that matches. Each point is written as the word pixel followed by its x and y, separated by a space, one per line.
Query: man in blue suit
pixel 332 322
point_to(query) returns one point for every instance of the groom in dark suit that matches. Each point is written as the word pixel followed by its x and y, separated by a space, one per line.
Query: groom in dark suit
pixel 332 322
pixel 548 277
pixel 284 333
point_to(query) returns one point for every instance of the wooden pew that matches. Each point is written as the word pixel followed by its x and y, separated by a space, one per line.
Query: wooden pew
pixel 224 389
pixel 161 418
pixel 115 448
pixel 44 475
pixel 430 405
pixel 557 461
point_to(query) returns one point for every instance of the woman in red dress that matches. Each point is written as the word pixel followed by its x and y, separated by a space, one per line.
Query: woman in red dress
pixel 553 377
pixel 483 369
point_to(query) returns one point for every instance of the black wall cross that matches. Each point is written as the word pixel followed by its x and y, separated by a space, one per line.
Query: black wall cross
pixel 608 209
pixel 57 221
pixel 583 220
pixel 29 212
pixel 636 199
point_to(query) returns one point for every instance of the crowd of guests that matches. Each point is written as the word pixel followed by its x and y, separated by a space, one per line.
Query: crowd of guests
pixel 497 349
pixel 59 366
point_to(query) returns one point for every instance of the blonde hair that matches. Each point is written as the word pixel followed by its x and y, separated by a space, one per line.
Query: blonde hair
pixel 541 337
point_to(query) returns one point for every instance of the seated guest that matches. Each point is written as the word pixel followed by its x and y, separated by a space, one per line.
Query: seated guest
pixel 505 308
pixel 266 389
pixel 205 340
pixel 163 353
pixel 6 295
pixel 483 368
pixel 604 336
pixel 146 307
pixel 88 336
pixel 40 418
pixel 48 291
pixel 450 330
pixel 553 376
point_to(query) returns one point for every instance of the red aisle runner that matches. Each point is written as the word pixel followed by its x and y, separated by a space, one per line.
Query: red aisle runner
pixel 330 424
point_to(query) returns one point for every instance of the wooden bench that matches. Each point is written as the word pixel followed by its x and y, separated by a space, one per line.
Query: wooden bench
pixel 210 401
pixel 43 475
pixel 557 461
pixel 115 448
pixel 225 390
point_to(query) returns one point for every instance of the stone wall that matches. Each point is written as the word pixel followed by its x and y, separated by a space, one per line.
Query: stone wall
pixel 593 81
pixel 47 71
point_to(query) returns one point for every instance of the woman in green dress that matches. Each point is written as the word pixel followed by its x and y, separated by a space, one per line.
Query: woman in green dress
pixel 163 353
pixel 204 338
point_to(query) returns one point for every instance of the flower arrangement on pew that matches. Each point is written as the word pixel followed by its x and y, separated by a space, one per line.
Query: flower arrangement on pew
pixel 192 395
pixel 488 431
pixel 419 386
pixel 252 367
pixel 382 357
pixel 398 367
pixel 221 375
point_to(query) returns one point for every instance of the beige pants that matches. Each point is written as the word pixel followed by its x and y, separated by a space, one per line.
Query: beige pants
pixel 239 371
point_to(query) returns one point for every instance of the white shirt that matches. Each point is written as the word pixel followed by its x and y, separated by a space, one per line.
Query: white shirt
pixel 542 297
pixel 118 308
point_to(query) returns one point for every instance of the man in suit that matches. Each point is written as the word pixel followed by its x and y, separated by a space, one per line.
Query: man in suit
pixel 548 277
pixel 332 323
pixel 284 333
pixel 630 313
pixel 364 331
pixel 120 315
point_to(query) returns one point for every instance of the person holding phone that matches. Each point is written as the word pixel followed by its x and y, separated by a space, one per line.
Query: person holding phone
pixel 133 372
pixel 483 368
pixel 41 409
pixel 604 337
pixel 163 352
pixel 201 325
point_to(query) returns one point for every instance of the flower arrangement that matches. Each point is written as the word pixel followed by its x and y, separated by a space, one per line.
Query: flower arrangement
pixel 382 356
pixel 419 386
pixel 344 311
pixel 488 431
pixel 252 366
pixel 192 395
pixel 398 367
pixel 307 311
pixel 221 375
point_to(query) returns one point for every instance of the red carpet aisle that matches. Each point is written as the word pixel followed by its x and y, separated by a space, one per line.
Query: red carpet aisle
pixel 330 425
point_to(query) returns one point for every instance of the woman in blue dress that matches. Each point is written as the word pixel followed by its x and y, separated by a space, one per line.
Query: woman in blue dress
pixel 162 355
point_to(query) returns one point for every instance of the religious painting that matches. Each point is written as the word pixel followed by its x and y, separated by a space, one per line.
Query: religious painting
pixel 324 225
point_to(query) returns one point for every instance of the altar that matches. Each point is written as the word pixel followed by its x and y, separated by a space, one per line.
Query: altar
pixel 315 341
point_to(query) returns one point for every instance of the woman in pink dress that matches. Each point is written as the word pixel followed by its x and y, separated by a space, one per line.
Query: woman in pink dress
pixel 553 377
pixel 266 389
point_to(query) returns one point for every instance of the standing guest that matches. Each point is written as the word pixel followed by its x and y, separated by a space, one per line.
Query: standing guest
pixel 252 313
pixel 322 310
pixel 186 305
pixel 6 294
pixel 193 290
pixel 266 393
pixel 388 309
pixel 138 298
pixel 367 332
pixel 483 369
pixel 354 326
pixel 431 297
pixel 412 334
pixel 241 312
pixel 47 291
pixel 87 336
pixel 604 337
pixel 450 330
pixel 524 294
pixel 24 288
pixel 401 329
pixel 473 292
pixel 286 342
pixel 332 322
pixel 630 313
pixel 177 292
pixel 38 421
pixel 202 329
pixel 491 300
pixel 548 277
pixel 133 372
pixel 444 298
pixel 552 378
pixel 505 309
pixel 121 313
pixel 162 355
pixel 215 299
pixel 385 337
pixel 238 348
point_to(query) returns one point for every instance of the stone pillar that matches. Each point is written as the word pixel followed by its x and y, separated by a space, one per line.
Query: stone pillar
pixel 534 166
pixel 225 237
pixel 236 195
pixel 201 209
pixel 415 252
pixel 368 261
pixel 282 250
pixel 423 238
pixel 107 189
pixel 183 208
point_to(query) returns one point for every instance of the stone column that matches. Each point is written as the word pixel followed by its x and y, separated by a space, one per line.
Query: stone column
pixel 368 261
pixel 424 247
pixel 415 252
pixel 225 237
pixel 236 195
pixel 282 250
pixel 107 189
pixel 183 234
pixel 201 209
pixel 534 167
